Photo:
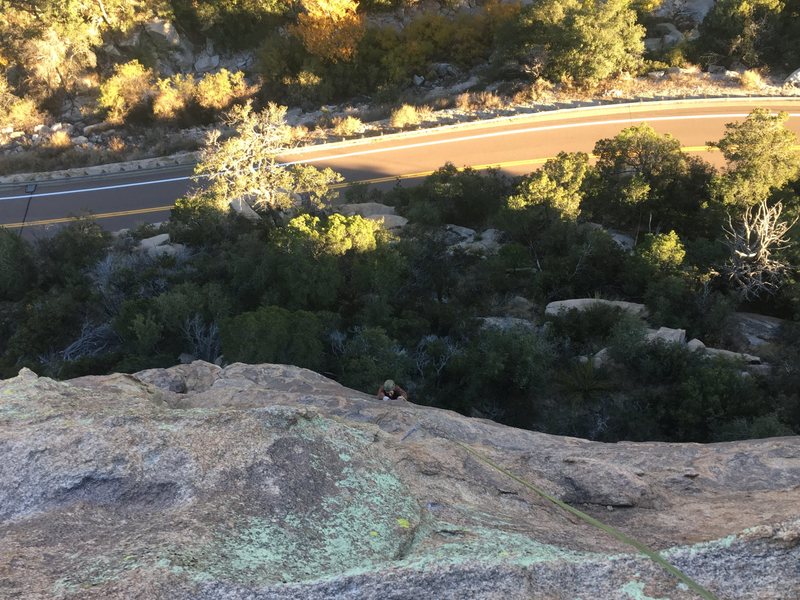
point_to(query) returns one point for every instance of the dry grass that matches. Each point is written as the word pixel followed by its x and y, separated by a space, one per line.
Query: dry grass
pixel 479 101
pixel 59 139
pixel 23 116
pixel 404 116
pixel 116 145
pixel 426 113
pixel 751 80
pixel 346 126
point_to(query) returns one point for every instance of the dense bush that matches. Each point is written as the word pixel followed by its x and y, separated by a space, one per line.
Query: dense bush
pixel 342 296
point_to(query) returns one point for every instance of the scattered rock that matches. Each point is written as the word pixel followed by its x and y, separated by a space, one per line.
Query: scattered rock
pixel 580 304
pixel 667 335
pixel 602 359
pixel 507 323
pixel 80 140
pixel 484 244
pixel 418 80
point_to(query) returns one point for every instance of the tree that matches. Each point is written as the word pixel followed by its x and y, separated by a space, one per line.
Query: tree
pixel 556 187
pixel 752 267
pixel 646 171
pixel 761 157
pixel 246 165
pixel 16 266
pixel 662 251
pixel 53 41
pixel 337 234
pixel 736 30
pixel 583 41
pixel 330 29
pixel 274 335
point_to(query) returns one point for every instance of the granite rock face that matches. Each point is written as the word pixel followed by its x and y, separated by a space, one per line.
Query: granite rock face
pixel 273 482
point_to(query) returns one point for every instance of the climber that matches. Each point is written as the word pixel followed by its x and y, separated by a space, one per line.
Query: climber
pixel 391 391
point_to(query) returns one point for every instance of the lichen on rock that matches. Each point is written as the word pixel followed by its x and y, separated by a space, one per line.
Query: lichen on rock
pixel 269 481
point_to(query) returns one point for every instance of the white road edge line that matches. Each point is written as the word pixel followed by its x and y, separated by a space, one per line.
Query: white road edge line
pixel 407 147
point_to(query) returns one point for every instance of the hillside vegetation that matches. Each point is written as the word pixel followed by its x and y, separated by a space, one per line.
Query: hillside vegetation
pixel 460 326
pixel 144 67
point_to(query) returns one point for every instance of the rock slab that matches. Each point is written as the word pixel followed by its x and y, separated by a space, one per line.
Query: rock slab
pixel 273 482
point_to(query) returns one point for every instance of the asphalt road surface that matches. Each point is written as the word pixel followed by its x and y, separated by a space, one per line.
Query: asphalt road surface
pixel 516 146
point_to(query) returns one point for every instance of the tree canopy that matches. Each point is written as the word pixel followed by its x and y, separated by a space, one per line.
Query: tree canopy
pixel 246 166
pixel 583 41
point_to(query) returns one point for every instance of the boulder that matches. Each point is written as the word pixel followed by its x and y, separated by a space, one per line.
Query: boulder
pixel 670 36
pixel 518 306
pixel 79 140
pixel 729 355
pixel 365 209
pixel 602 359
pixel 166 250
pixel 389 221
pixel 758 330
pixel 243 207
pixel 483 244
pixel 623 240
pixel 456 233
pixel 97 128
pixel 445 70
pixel 694 345
pixel 667 335
pixel 580 304
pixel 154 241
pixel 793 79
pixel 163 33
pixel 204 63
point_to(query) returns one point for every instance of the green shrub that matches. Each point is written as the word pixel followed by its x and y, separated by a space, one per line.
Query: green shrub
pixel 128 92
pixel 274 335
pixel 17 272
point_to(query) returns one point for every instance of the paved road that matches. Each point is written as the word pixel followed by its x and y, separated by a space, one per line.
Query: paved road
pixel 517 145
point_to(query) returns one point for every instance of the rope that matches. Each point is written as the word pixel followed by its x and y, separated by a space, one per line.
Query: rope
pixel 612 531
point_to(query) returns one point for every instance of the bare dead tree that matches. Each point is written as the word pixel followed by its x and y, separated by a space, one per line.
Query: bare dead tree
pixel 94 339
pixel 203 338
pixel 435 352
pixel 752 267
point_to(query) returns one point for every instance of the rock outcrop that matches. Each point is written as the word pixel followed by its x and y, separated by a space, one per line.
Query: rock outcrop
pixel 273 482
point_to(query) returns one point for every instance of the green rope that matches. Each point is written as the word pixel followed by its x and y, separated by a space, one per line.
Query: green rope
pixel 652 554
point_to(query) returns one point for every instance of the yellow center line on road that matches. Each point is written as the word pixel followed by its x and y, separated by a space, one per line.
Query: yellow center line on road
pixel 419 175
